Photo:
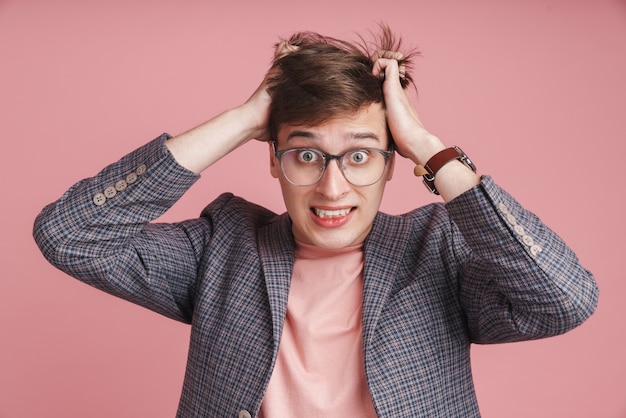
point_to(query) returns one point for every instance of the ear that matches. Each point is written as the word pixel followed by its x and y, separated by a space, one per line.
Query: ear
pixel 274 163
pixel 391 164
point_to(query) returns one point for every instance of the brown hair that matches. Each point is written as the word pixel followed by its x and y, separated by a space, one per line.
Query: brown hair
pixel 321 77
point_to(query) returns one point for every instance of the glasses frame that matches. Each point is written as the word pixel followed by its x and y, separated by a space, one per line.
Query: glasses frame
pixel 328 157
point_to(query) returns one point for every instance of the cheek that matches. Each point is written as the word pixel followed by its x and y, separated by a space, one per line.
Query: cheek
pixel 293 198
pixel 376 196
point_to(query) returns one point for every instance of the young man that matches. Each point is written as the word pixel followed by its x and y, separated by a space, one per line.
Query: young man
pixel 332 309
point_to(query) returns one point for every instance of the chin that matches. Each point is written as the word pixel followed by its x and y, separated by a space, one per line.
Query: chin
pixel 338 241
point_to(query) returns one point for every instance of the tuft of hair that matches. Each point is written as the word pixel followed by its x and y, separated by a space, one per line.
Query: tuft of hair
pixel 322 77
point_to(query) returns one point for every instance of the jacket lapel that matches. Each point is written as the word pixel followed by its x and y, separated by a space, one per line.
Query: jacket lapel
pixel 276 250
pixel 384 248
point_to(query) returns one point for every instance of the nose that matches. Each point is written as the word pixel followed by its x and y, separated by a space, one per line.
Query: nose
pixel 333 185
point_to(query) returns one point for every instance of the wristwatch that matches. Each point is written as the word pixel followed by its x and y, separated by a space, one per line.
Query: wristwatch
pixel 443 157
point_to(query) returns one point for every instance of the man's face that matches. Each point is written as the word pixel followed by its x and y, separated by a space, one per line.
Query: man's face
pixel 333 213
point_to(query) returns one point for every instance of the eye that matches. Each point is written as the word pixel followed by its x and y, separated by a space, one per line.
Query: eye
pixel 308 156
pixel 358 157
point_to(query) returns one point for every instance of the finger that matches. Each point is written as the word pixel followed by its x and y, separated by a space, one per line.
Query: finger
pixel 398 56
pixel 387 68
pixel 392 55
pixel 284 48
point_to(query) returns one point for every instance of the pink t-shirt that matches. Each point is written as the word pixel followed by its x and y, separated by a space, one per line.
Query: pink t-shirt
pixel 320 371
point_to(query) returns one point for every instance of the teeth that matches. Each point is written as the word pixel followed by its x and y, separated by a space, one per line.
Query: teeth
pixel 322 213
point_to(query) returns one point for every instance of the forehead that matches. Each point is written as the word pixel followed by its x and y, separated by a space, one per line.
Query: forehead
pixel 366 127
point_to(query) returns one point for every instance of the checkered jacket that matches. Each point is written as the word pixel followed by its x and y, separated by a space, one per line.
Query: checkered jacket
pixel 479 269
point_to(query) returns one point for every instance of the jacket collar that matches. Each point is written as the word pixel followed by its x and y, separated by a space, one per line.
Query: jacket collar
pixel 277 252
pixel 383 251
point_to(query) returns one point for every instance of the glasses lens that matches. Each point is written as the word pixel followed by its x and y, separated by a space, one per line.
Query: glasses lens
pixel 363 167
pixel 303 167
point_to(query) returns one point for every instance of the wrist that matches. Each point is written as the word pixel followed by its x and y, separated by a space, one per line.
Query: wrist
pixel 424 149
pixel 438 161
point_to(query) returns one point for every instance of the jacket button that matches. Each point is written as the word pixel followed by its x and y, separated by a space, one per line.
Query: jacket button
pixel 535 249
pixel 121 185
pixel 141 169
pixel 110 192
pixel 511 219
pixel 131 178
pixel 244 414
pixel 528 240
pixel 99 199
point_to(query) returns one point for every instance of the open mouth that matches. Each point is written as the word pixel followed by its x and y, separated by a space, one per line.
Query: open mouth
pixel 328 214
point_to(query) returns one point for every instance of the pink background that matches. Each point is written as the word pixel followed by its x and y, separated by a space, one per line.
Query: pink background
pixel 534 91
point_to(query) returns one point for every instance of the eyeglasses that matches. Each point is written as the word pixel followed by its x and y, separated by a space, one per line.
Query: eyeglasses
pixel 306 166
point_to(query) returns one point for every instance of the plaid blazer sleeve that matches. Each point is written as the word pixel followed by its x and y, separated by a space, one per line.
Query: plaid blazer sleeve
pixel 99 232
pixel 518 280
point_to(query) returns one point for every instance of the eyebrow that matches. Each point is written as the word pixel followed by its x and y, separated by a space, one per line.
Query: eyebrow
pixel 354 135
pixel 301 134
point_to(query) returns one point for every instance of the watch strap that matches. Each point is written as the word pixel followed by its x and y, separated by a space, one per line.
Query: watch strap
pixel 440 159
pixel 434 164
